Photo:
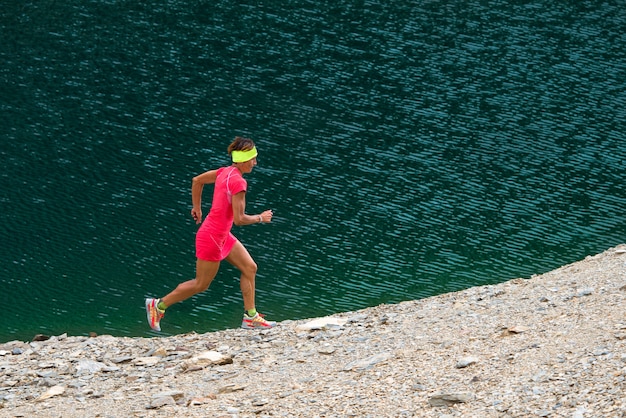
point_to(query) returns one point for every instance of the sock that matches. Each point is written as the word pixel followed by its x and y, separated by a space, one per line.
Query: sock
pixel 161 306
pixel 251 312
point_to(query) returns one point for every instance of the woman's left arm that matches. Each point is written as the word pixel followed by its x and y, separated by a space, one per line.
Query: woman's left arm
pixel 239 212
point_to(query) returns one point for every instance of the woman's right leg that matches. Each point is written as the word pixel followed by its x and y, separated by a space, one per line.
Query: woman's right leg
pixel 205 273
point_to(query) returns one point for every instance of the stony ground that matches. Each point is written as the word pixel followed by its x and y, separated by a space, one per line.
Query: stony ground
pixel 550 346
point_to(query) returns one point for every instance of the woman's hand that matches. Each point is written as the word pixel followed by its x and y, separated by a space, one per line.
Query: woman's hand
pixel 196 213
pixel 267 216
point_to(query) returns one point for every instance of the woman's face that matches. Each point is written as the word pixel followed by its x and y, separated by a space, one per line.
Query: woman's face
pixel 247 166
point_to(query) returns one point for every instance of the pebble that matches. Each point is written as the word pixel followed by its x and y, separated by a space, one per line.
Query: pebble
pixel 553 345
pixel 465 362
pixel 449 399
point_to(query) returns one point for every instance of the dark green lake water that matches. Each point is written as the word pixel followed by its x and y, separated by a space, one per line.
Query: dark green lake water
pixel 407 148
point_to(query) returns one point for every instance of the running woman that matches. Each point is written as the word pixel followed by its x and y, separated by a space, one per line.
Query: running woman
pixel 215 242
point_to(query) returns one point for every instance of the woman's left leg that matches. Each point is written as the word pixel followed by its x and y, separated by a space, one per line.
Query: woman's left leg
pixel 241 259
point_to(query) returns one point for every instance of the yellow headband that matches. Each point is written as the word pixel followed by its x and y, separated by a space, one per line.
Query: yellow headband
pixel 243 156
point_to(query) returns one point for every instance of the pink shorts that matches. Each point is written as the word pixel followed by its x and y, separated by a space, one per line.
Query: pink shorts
pixel 210 248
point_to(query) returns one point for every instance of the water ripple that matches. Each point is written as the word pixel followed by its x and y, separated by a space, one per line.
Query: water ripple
pixel 406 149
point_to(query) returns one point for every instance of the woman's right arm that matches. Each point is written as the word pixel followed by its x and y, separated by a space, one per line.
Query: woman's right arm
pixel 197 184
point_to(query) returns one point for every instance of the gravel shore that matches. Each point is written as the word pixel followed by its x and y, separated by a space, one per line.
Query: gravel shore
pixel 553 345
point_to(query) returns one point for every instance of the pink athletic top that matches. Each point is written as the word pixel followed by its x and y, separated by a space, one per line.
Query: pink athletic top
pixel 214 240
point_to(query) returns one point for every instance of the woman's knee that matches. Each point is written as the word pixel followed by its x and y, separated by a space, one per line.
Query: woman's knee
pixel 205 273
pixel 201 286
pixel 249 268
pixel 191 287
pixel 201 283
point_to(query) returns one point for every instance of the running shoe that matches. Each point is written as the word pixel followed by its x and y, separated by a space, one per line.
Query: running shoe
pixel 154 314
pixel 256 321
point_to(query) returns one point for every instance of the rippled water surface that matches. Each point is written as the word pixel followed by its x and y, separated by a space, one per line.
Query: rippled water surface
pixel 407 149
